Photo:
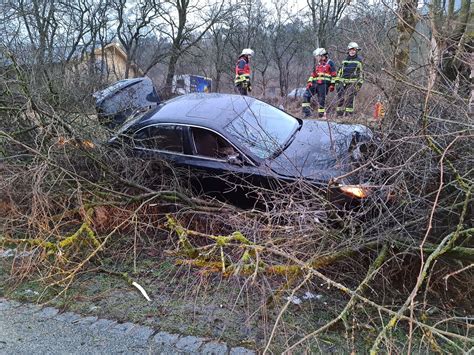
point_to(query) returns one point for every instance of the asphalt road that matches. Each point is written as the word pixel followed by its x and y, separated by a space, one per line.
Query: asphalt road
pixel 30 329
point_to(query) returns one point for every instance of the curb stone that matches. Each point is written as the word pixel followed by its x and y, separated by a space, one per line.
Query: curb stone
pixel 171 343
pixel 102 324
pixel 241 351
pixel 68 317
pixel 123 328
pixel 47 312
pixel 189 343
pixel 214 348
pixel 85 320
pixel 4 305
pixel 31 308
pixel 163 338
pixel 142 332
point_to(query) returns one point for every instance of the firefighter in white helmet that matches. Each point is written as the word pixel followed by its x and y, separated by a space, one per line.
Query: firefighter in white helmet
pixel 349 80
pixel 320 82
pixel 242 72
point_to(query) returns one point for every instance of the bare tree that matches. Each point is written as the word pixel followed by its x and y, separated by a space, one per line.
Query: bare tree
pixel 152 50
pixel 325 15
pixel 100 34
pixel 471 80
pixel 59 31
pixel 40 24
pixel 285 39
pixel 407 19
pixel 264 60
pixel 184 33
pixel 452 41
pixel 134 24
pixel 220 37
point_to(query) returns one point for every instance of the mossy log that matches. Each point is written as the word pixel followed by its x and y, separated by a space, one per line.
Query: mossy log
pixel 83 234
pixel 213 258
pixel 247 264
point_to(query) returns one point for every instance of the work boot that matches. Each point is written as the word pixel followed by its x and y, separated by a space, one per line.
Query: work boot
pixel 306 112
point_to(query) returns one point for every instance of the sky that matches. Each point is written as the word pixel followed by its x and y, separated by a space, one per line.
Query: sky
pixel 298 6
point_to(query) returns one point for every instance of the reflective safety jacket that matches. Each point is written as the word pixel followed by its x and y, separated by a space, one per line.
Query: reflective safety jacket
pixel 242 70
pixel 351 70
pixel 324 72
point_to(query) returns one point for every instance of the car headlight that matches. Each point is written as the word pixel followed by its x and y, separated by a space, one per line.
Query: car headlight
pixel 358 191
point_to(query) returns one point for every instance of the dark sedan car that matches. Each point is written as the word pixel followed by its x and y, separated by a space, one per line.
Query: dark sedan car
pixel 245 139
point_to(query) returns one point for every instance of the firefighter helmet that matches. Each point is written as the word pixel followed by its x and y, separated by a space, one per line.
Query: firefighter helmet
pixel 247 51
pixel 320 51
pixel 353 45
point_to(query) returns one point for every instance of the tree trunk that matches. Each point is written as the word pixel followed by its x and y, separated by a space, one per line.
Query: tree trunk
pixel 405 27
pixel 264 83
pixel 451 42
pixel 471 79
pixel 454 46
pixel 127 68
pixel 217 82
pixel 314 22
pixel 281 77
pixel 171 71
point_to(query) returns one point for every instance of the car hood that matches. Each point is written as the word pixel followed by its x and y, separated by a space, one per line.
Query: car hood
pixel 319 151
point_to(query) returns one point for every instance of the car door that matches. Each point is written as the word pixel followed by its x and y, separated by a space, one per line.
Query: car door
pixel 220 167
pixel 160 141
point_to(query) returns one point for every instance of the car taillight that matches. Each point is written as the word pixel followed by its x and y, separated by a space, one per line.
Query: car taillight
pixel 355 190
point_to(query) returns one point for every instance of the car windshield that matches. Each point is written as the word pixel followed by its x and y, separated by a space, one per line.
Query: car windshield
pixel 263 129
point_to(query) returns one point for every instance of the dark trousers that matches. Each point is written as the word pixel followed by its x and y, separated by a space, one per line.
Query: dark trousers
pixel 321 90
pixel 242 88
pixel 346 94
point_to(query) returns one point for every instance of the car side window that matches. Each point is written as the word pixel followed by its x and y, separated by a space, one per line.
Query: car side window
pixel 160 137
pixel 210 144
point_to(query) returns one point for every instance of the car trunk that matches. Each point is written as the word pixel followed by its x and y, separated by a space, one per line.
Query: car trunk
pixel 117 102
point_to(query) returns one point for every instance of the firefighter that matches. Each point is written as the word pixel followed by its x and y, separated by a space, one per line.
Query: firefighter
pixel 242 72
pixel 349 80
pixel 320 82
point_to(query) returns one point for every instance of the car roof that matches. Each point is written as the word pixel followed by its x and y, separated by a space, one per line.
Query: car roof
pixel 210 110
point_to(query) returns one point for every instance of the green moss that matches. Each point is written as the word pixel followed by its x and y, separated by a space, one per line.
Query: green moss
pixel 84 233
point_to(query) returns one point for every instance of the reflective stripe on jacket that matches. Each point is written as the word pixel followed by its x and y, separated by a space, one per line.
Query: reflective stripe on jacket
pixel 351 70
pixel 324 72
pixel 242 70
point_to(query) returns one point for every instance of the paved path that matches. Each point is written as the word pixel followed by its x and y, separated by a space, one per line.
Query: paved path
pixel 30 329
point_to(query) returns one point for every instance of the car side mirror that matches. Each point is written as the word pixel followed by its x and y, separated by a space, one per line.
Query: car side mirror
pixel 235 159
